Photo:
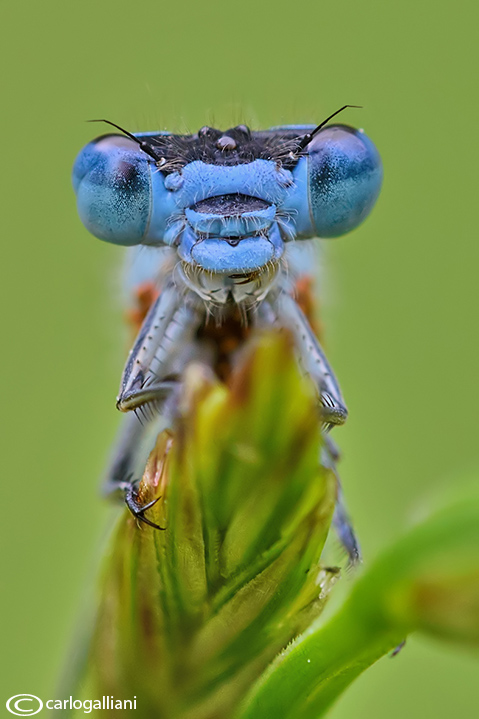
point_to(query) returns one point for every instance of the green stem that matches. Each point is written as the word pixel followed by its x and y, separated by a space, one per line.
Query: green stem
pixel 428 581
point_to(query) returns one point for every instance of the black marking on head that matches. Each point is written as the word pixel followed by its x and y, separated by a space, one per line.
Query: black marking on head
pixel 230 205
pixel 236 146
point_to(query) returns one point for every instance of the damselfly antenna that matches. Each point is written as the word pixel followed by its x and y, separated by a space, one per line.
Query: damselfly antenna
pixel 306 139
pixel 145 146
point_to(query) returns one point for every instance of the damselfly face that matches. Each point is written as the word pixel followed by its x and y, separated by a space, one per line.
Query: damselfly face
pixel 227 201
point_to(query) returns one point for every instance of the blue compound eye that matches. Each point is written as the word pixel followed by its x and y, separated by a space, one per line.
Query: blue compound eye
pixel 112 181
pixel 344 178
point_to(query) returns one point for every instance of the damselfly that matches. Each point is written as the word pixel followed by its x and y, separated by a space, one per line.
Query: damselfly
pixel 224 214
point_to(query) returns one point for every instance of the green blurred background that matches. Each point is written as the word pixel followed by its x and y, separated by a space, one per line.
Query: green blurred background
pixel 401 310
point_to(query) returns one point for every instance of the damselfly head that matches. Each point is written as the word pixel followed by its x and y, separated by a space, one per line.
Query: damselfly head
pixel 228 201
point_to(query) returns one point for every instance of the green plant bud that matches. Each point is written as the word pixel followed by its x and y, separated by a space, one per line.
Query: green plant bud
pixel 190 616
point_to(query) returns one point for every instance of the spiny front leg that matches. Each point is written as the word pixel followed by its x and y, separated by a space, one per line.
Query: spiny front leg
pixel 150 387
pixel 312 359
pixel 158 355
pixel 284 311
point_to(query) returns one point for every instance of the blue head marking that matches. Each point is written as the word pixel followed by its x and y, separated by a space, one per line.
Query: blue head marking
pixel 227 202
pixel 226 214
